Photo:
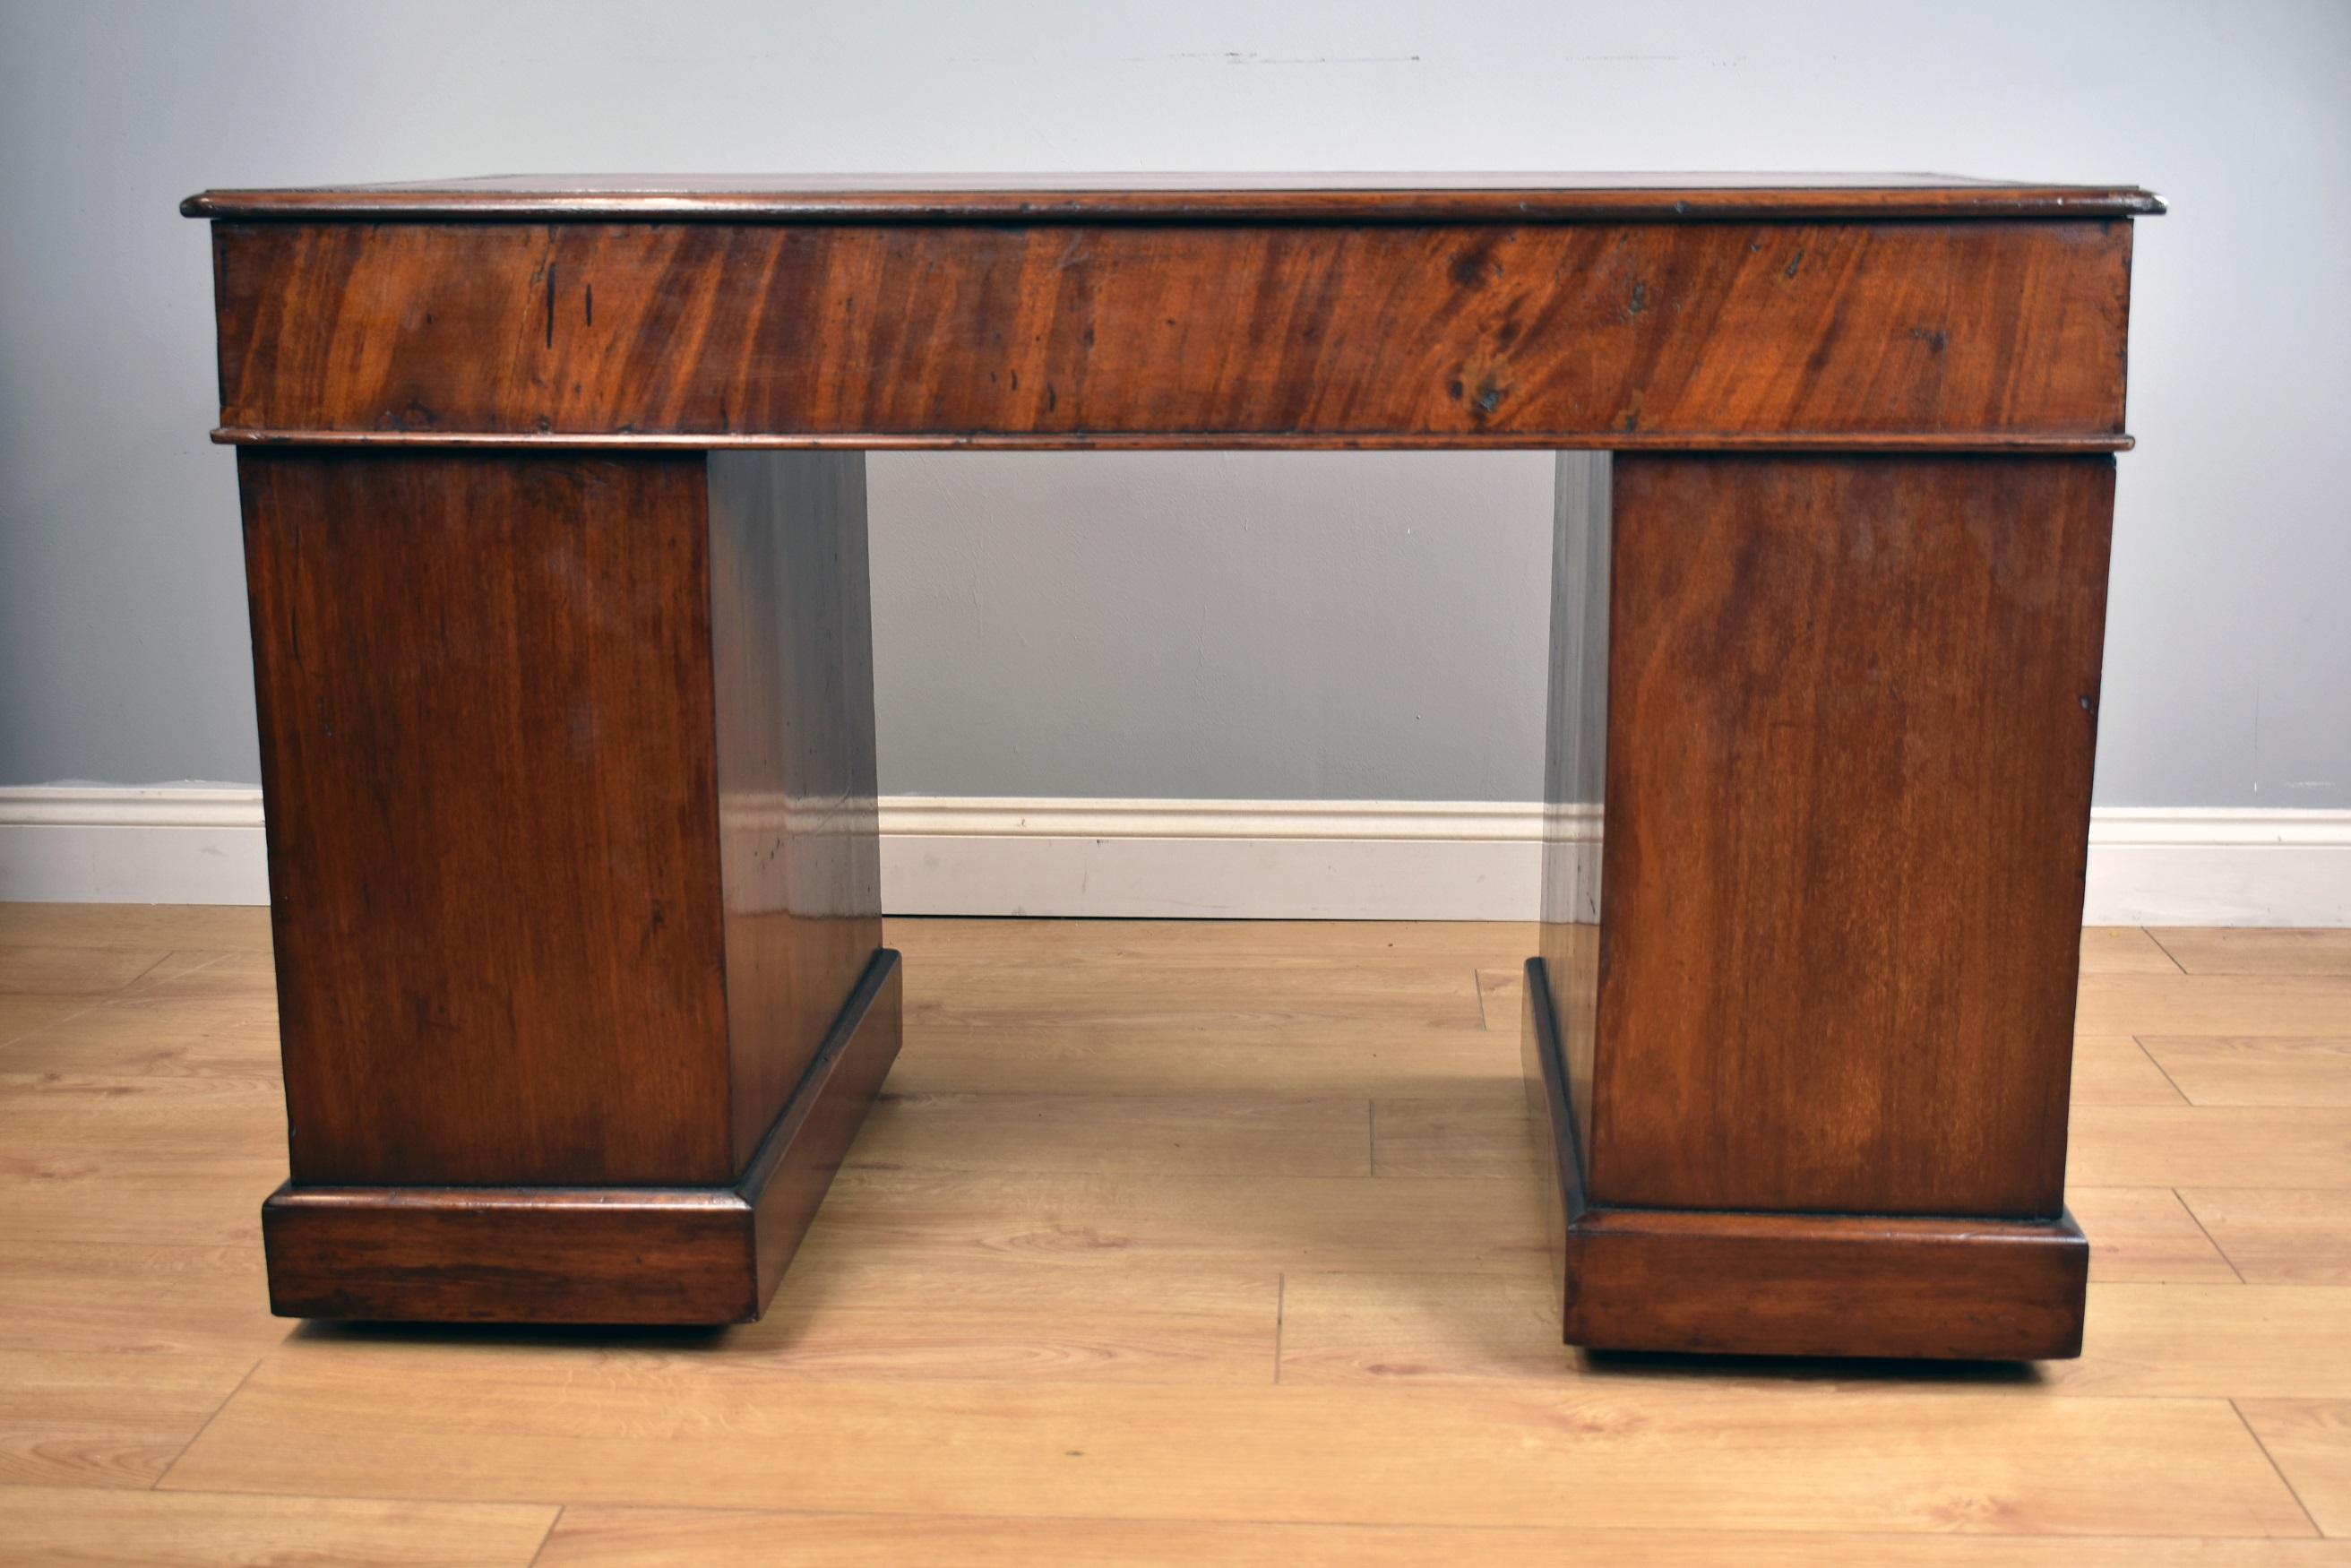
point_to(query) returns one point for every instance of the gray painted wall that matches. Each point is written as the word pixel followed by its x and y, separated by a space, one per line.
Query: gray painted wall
pixel 1193 625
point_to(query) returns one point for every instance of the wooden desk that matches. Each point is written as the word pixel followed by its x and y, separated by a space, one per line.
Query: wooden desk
pixel 555 532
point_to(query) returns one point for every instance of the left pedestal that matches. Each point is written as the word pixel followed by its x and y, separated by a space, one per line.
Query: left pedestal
pixel 568 764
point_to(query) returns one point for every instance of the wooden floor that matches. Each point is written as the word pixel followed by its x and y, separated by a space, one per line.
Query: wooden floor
pixel 1172 1242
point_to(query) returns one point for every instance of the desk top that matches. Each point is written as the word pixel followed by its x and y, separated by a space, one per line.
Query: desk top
pixel 1305 197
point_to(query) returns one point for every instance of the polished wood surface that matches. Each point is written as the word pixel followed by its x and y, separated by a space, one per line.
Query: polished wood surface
pixel 1829 582
pixel 1507 197
pixel 485 697
pixel 1254 1365
pixel 1968 333
pixel 792 661
pixel 1852 711
pixel 570 765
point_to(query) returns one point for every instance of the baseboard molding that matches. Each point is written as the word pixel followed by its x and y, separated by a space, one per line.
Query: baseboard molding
pixel 1340 860
pixel 94 844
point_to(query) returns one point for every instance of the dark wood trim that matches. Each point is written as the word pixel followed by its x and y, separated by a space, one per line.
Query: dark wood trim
pixel 523 1255
pixel 1843 1285
pixel 1794 1284
pixel 590 1255
pixel 1177 441
pixel 1301 198
pixel 797 1160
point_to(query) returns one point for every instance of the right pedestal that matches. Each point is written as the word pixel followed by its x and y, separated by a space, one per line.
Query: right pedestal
pixel 1799 1035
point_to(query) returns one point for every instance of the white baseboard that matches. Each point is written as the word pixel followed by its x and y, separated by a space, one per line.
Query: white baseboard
pixel 100 844
pixel 1261 860
pixel 1234 859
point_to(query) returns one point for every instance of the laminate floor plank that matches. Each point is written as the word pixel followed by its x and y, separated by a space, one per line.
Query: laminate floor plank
pixel 157 926
pixel 2203 1146
pixel 142 1198
pixel 1460 1138
pixel 2223 1070
pixel 1079 1220
pixel 590 1429
pixel 1198 1134
pixel 2278 1235
pixel 76 1418
pixel 118 1038
pixel 2142 1341
pixel 2254 950
pixel 101 1296
pixel 2143 1005
pixel 22 1017
pixel 195 1530
pixel 603 1537
pixel 848 1313
pixel 1369 1058
pixel 1338 941
pixel 75 973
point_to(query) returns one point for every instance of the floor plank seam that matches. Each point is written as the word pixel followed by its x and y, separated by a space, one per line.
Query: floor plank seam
pixel 2153 936
pixel 2184 1097
pixel 552 1526
pixel 1281 1303
pixel 2206 1232
pixel 2275 1468
pixel 157 1484
pixel 141 975
pixel 37 1030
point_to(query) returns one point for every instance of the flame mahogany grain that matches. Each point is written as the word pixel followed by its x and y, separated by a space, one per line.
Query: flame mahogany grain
pixel 1388 334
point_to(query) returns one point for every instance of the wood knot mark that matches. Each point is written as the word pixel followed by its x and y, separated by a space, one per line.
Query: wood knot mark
pixel 1473 266
pixel 1484 400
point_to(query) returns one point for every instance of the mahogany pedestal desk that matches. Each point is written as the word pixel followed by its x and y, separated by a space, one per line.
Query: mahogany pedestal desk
pixel 555 533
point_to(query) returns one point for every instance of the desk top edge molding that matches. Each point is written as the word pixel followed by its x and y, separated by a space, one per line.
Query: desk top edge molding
pixel 1865 313
pixel 1252 198
pixel 1172 441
